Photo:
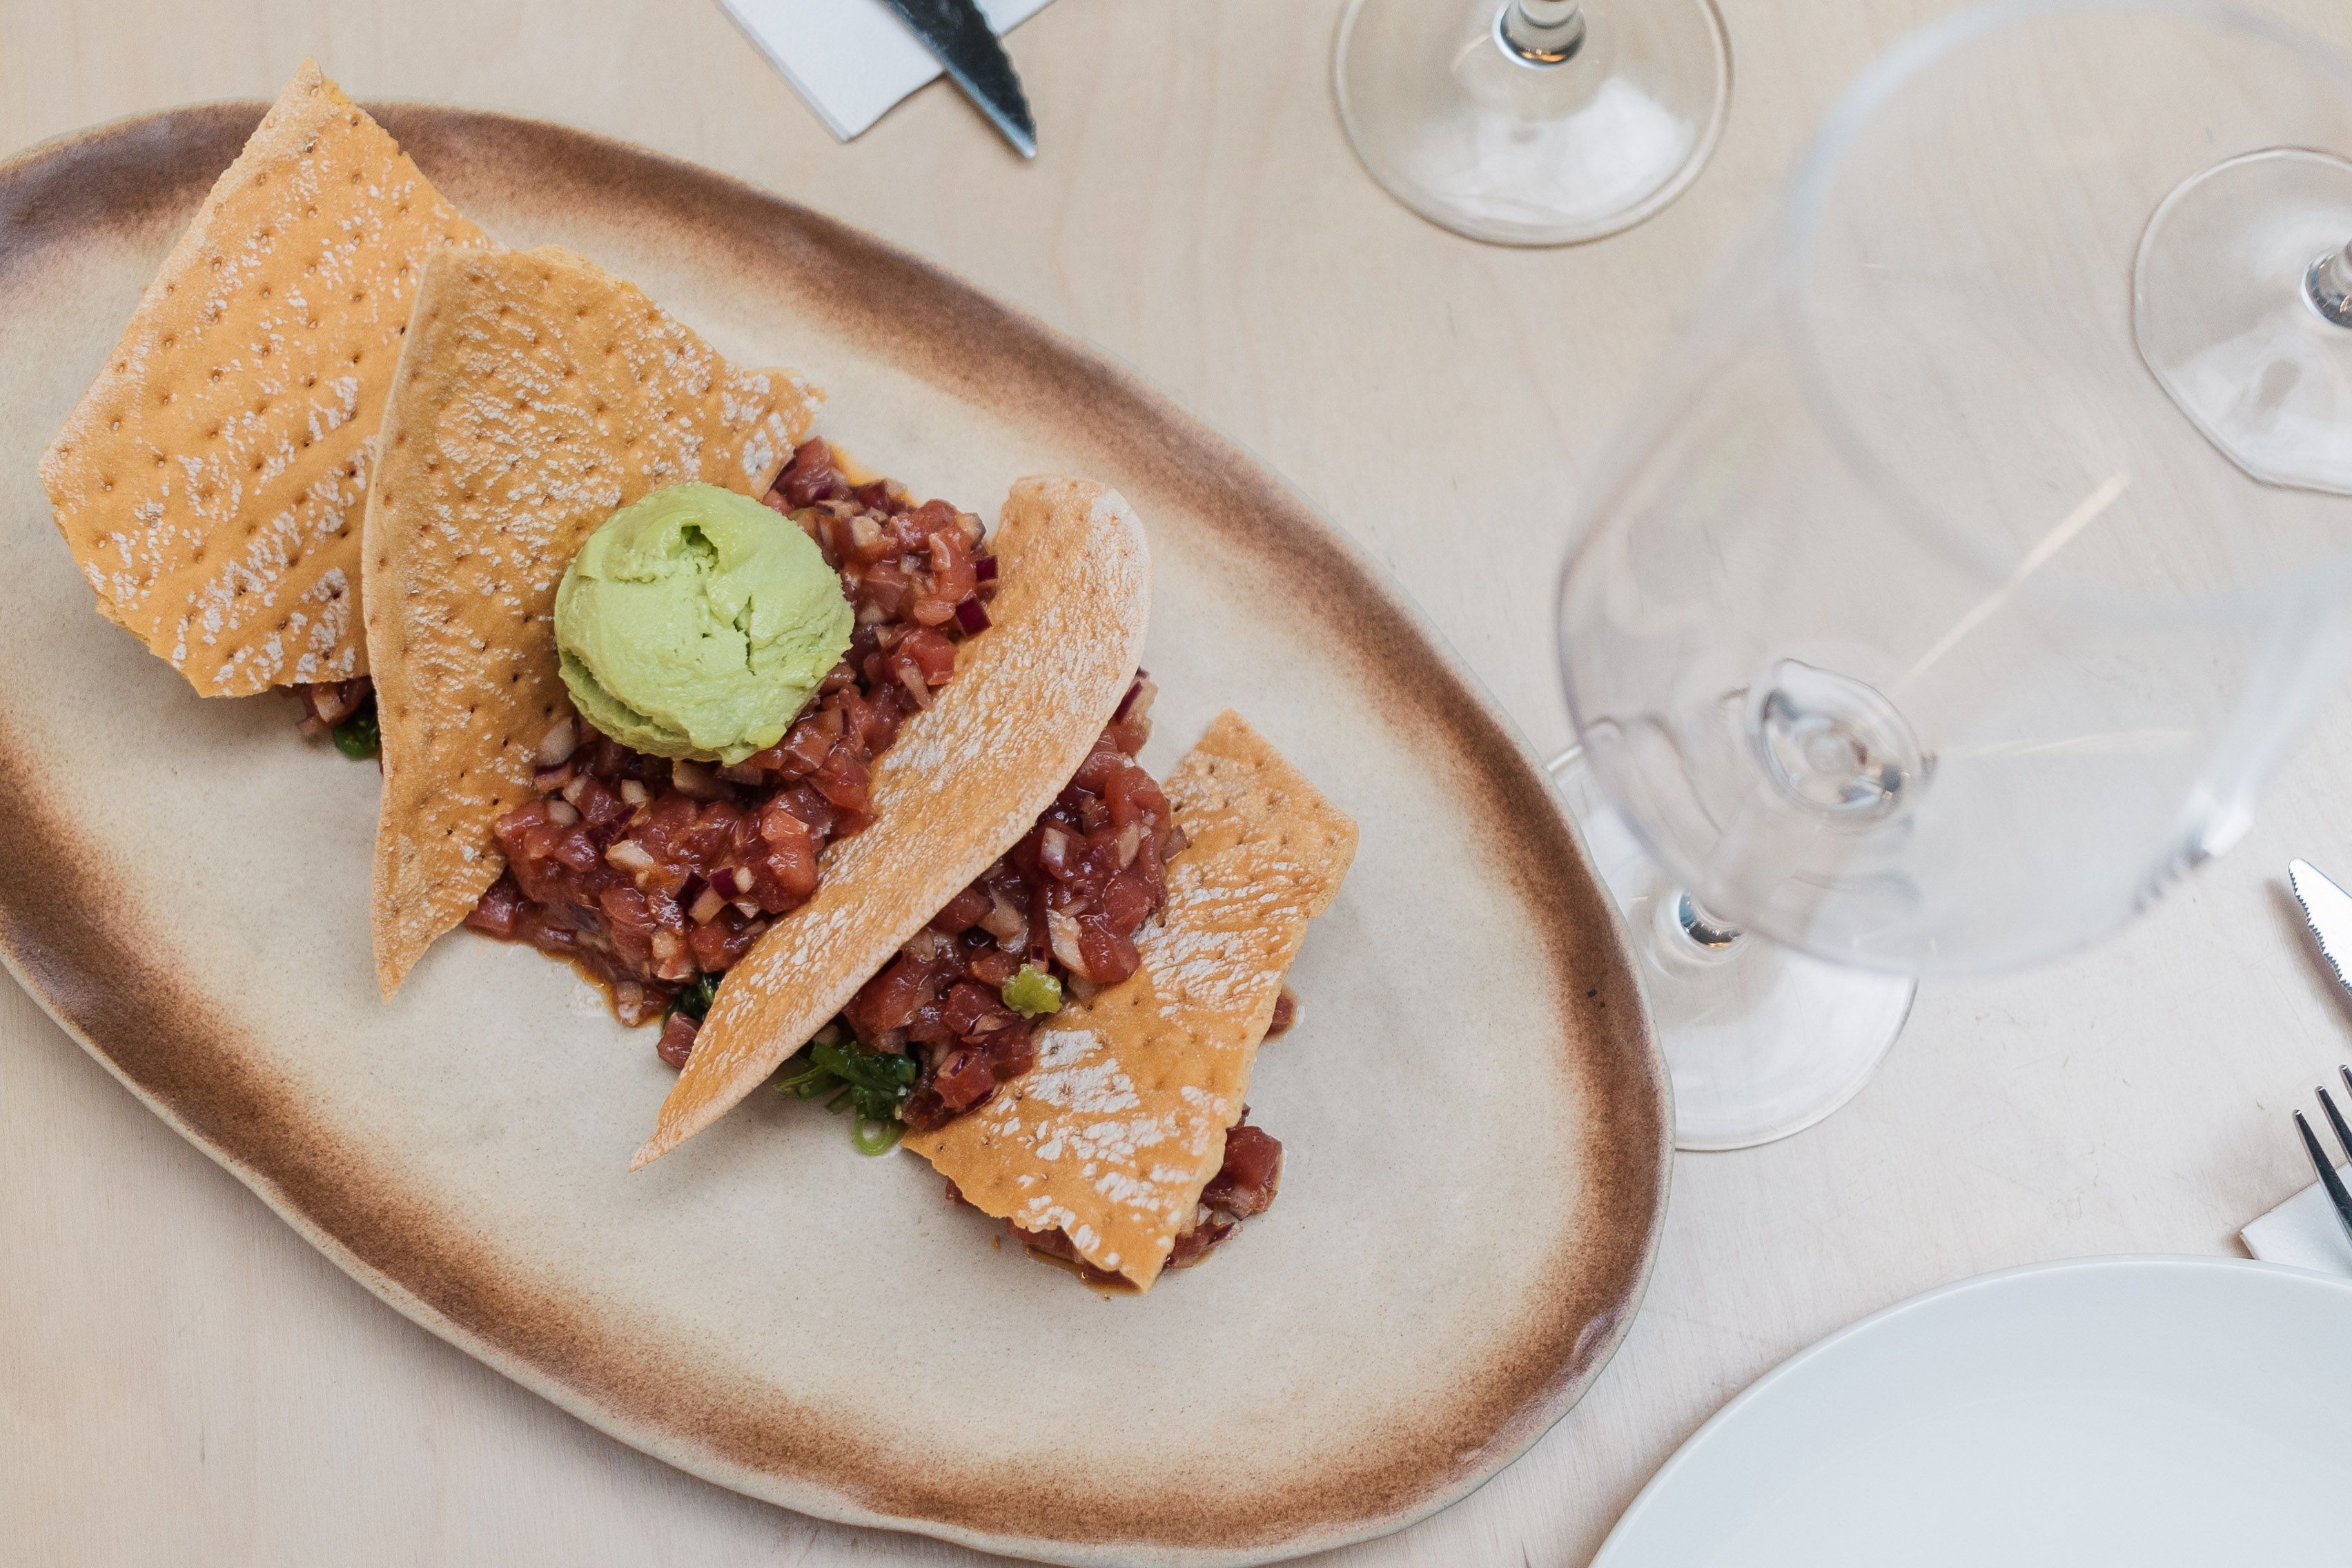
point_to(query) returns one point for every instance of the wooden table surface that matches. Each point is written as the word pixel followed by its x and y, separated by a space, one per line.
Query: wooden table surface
pixel 183 1380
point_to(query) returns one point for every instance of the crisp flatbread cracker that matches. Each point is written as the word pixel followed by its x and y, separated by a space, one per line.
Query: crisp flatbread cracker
pixel 210 481
pixel 536 394
pixel 1113 1134
pixel 966 778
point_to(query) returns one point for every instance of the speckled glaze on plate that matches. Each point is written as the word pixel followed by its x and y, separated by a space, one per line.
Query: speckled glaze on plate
pixel 1472 1107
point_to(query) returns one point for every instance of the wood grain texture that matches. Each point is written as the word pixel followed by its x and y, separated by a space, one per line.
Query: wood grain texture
pixel 183 1380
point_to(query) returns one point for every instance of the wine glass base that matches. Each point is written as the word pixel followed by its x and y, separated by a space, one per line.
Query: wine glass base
pixel 1760 1040
pixel 2227 322
pixel 1477 139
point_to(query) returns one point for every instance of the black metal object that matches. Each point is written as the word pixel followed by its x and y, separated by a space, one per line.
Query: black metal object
pixel 956 32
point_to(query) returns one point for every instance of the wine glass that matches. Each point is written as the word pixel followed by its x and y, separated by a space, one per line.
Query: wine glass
pixel 1533 122
pixel 1986 538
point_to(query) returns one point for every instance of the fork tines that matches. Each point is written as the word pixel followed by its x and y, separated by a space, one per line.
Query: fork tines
pixel 2320 1162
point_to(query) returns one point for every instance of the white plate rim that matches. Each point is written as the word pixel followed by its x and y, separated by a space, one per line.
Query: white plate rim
pixel 1659 1490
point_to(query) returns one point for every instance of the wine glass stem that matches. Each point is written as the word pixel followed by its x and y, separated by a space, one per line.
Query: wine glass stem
pixel 2328 286
pixel 1685 925
pixel 1541 32
pixel 1701 928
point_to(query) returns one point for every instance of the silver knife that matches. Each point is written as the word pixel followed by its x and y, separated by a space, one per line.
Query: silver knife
pixel 956 32
pixel 2327 910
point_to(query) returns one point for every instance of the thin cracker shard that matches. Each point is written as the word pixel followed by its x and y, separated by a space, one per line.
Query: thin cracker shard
pixel 1114 1133
pixel 210 481
pixel 535 395
pixel 965 780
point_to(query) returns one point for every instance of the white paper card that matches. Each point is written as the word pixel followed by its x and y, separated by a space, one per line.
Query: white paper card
pixel 853 59
pixel 2302 1231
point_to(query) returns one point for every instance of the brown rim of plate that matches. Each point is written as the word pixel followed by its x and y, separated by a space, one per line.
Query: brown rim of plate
pixel 149 1026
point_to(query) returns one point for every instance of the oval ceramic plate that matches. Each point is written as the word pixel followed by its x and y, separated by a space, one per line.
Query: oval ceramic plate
pixel 1472 1103
pixel 2152 1411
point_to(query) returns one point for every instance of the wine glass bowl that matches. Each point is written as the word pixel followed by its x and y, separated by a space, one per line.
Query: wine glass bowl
pixel 1924 627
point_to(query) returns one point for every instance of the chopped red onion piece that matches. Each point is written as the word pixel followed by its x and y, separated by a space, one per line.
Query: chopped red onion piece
pixel 555 748
pixel 631 856
pixel 928 943
pixel 912 679
pixel 1003 922
pixel 984 568
pixel 970 616
pixel 1053 851
pixel 694 781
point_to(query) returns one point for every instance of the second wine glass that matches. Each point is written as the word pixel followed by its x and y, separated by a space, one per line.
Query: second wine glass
pixel 1923 630
pixel 1533 122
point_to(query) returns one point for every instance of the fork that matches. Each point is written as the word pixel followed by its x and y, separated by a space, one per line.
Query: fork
pixel 2337 1194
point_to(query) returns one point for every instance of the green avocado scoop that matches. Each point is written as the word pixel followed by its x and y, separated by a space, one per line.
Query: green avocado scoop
pixel 695 623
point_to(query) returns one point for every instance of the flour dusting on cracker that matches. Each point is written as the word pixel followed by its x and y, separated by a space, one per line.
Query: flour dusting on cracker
pixel 1114 1132
pixel 965 779
pixel 210 481
pixel 536 395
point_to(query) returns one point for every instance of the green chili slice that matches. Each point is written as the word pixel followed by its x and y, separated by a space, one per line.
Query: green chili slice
pixel 1033 991
pixel 358 737
pixel 873 1135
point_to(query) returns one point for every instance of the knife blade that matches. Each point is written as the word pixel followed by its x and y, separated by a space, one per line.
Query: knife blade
pixel 2327 910
pixel 956 32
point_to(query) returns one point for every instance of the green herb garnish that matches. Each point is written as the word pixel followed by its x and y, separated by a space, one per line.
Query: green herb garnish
pixel 871 1084
pixel 1033 993
pixel 696 999
pixel 358 737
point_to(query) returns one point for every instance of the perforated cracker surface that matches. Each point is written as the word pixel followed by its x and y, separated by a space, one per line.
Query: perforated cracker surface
pixel 210 481
pixel 965 779
pixel 536 395
pixel 1113 1134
